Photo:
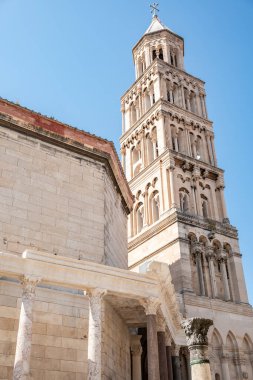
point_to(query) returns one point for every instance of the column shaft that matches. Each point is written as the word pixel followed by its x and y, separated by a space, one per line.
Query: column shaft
pixel 225 369
pixel 169 363
pixel 176 368
pixel 153 359
pixel 95 334
pixel 21 369
pixel 225 280
pixel 213 278
pixel 162 355
pixel 200 275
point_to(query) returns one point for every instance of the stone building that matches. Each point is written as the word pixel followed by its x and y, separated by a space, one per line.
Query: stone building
pixel 179 215
pixel 70 308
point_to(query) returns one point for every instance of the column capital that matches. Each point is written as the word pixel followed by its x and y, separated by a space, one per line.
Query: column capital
pixel 95 293
pixel 150 305
pixel 210 254
pixel 161 324
pixel 135 345
pixel 168 338
pixel 29 283
pixel 196 330
pixel 175 350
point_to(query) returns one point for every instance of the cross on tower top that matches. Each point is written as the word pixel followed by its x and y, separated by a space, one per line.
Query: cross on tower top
pixel 154 9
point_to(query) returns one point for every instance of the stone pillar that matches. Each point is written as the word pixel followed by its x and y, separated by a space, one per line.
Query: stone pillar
pixel 197 253
pixel 172 184
pixel 210 258
pixel 136 351
pixel 151 305
pixel 95 332
pixel 176 363
pixel 169 356
pixel 162 348
pixel 21 369
pixel 224 277
pixel 196 337
pixel 224 367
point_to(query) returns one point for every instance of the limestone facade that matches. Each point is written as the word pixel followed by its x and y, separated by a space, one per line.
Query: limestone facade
pixel 69 306
pixel 179 214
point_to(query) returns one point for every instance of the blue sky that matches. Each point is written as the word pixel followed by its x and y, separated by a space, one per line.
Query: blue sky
pixel 71 59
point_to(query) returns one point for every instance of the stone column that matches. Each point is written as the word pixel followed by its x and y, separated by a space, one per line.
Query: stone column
pixel 172 184
pixel 224 277
pixel 176 363
pixel 196 337
pixel 95 332
pixel 210 258
pixel 21 369
pixel 136 351
pixel 197 253
pixel 151 305
pixel 162 348
pixel 224 367
pixel 169 356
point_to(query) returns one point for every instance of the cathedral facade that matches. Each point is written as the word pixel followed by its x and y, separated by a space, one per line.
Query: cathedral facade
pixel 179 215
pixel 79 299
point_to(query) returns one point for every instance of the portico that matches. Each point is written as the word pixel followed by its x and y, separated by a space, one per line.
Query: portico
pixel 139 299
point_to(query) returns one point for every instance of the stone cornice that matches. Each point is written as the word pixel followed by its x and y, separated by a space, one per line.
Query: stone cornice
pixel 160 33
pixel 179 217
pixel 153 69
pixel 165 108
pixel 165 157
pixel 28 122
pixel 191 299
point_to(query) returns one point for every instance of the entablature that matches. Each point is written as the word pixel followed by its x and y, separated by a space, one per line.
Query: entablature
pixel 175 216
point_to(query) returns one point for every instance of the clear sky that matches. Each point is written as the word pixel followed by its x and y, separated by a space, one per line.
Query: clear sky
pixel 71 59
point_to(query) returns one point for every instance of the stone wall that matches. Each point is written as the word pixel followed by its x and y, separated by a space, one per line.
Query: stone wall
pixel 115 228
pixel 115 346
pixel 60 330
pixel 58 201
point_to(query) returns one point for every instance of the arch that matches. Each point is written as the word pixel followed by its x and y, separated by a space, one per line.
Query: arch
pixel 192 237
pixel 217 376
pixel 203 240
pixel 216 340
pixel 231 342
pixel 150 149
pixel 247 344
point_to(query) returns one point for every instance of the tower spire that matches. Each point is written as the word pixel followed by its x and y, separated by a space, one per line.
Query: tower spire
pixel 154 9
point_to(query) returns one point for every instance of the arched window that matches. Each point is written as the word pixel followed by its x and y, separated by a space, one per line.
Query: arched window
pixel 199 149
pixel 147 103
pixel 161 54
pixel 217 376
pixel 184 200
pixel 154 207
pixel 205 207
pixel 139 215
pixel 133 113
pixel 154 54
pixel 150 149
pixel 136 159
pixel 192 102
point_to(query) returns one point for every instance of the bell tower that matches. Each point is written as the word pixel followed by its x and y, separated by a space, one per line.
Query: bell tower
pixel 168 155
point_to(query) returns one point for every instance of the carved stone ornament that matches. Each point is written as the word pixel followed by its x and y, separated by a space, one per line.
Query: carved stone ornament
pixel 29 284
pixel 161 324
pixel 150 305
pixel 196 330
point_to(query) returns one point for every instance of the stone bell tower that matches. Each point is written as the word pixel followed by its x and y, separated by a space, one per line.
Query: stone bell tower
pixel 179 215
